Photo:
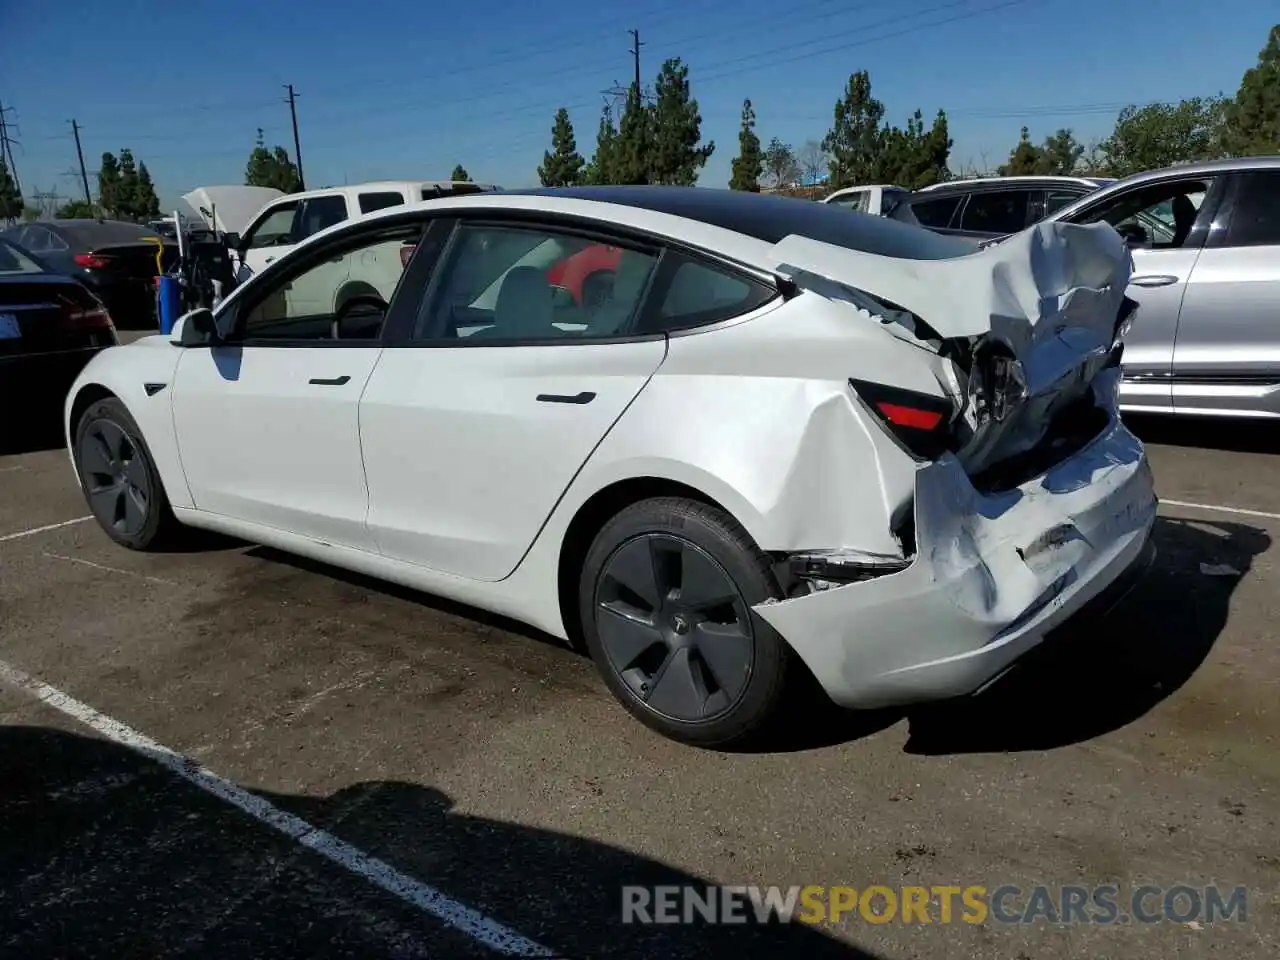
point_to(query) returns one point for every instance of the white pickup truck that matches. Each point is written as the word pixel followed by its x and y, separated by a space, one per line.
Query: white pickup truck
pixel 877 200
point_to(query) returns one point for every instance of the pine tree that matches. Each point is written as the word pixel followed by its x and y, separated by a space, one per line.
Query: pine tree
pixel 128 199
pixel 1024 159
pixel 563 168
pixel 460 174
pixel 855 139
pixel 11 203
pixel 632 159
pixel 1252 126
pixel 109 185
pixel 271 168
pixel 749 163
pixel 148 204
pixel 600 168
pixel 677 155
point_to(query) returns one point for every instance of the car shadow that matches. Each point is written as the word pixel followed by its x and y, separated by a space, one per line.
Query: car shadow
pixel 1211 433
pixel 1095 675
pixel 107 853
pixel 38 430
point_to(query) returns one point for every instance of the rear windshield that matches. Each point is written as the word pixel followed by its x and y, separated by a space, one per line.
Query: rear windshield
pixel 450 190
pixel 15 262
pixel 87 234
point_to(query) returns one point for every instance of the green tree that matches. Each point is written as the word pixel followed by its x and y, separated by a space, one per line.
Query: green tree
pixel 632 161
pixel 1164 134
pixel 913 158
pixel 271 168
pixel 11 202
pixel 109 185
pixel 1252 120
pixel 128 199
pixel 563 168
pixel 855 139
pixel 147 204
pixel 780 167
pixel 678 154
pixel 811 161
pixel 1062 154
pixel 600 169
pixel 1024 159
pixel 460 174
pixel 76 210
pixel 749 163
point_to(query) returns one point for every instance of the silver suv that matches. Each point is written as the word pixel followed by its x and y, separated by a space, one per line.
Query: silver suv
pixel 1206 248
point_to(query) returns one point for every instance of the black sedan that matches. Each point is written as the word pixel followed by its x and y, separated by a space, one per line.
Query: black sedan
pixel 113 258
pixel 50 327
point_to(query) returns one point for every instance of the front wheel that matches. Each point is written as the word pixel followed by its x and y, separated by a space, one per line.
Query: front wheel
pixel 665 602
pixel 119 478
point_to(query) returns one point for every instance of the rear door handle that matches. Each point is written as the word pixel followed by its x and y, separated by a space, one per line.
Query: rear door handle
pixel 335 382
pixel 584 397
pixel 1153 280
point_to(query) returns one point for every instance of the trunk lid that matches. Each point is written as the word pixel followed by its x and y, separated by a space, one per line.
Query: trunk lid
pixel 1026 327
pixel 134 261
pixel 50 313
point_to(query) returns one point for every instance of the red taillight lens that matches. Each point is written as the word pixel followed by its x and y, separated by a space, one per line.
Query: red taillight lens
pixel 78 316
pixel 406 253
pixel 91 261
pixel 919 421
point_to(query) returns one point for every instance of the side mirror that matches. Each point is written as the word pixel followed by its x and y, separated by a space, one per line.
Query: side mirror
pixel 1134 234
pixel 199 329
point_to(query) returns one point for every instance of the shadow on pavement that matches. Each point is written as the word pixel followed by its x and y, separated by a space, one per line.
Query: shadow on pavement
pixel 38 429
pixel 1212 433
pixel 1097 675
pixel 105 853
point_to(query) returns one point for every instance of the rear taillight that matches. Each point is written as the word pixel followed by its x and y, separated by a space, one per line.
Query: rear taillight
pixel 76 316
pixel 921 422
pixel 91 261
pixel 406 253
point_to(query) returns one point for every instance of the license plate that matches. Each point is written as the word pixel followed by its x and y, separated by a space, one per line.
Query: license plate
pixel 9 329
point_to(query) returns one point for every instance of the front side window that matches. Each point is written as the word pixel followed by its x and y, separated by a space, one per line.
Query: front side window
pixel 852 201
pixel 997 211
pixel 935 213
pixel 340 293
pixel 531 284
pixel 1055 200
pixel 1158 216
pixel 274 229
pixel 1255 219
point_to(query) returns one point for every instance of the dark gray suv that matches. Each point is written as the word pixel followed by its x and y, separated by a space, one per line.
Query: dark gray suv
pixel 992 207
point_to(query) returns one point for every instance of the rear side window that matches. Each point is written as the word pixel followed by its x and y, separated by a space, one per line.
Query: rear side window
pixel 1055 200
pixel 370 202
pixel 700 293
pixel 1255 221
pixel 320 213
pixel 1000 211
pixel 935 213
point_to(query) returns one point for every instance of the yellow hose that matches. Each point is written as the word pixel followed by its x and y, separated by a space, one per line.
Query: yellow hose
pixel 159 242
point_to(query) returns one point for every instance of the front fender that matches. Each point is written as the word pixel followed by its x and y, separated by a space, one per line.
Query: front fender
pixel 140 375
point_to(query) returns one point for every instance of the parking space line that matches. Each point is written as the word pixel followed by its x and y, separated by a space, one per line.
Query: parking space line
pixel 12 469
pixel 1220 509
pixel 104 567
pixel 5 538
pixel 467 920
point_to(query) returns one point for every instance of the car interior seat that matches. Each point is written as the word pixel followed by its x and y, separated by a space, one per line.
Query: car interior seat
pixel 1184 218
pixel 629 280
pixel 524 308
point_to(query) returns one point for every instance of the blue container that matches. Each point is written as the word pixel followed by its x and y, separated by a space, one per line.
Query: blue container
pixel 168 302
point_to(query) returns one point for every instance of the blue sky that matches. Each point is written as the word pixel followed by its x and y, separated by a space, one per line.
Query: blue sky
pixel 406 89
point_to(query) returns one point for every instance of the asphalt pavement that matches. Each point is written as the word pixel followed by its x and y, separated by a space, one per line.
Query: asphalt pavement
pixel 359 770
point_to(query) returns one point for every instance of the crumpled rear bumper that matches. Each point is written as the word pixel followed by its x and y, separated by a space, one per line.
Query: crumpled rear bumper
pixel 993 573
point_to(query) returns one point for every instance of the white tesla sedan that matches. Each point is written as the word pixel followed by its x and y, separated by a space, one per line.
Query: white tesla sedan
pixel 716 438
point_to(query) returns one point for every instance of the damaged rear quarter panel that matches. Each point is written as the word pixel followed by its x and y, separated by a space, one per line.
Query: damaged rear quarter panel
pixel 759 415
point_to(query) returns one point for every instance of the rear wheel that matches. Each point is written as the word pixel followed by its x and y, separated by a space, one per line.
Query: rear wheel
pixel 119 478
pixel 665 601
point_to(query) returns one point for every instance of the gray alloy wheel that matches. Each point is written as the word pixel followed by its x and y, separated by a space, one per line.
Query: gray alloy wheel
pixel 116 478
pixel 674 627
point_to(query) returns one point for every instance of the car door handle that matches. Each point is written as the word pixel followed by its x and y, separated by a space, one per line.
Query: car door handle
pixel 584 397
pixel 1153 280
pixel 335 382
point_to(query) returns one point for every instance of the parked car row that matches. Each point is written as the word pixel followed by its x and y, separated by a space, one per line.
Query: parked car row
pixel 1205 240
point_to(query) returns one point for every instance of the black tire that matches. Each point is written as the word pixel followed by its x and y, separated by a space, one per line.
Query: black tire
pixel 738 704
pixel 112 477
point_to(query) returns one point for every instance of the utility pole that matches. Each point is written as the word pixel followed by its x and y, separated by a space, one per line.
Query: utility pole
pixel 84 177
pixel 635 55
pixel 6 148
pixel 297 144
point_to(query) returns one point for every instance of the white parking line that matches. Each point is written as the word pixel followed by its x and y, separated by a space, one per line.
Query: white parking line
pixel 1220 509
pixel 471 922
pixel 52 526
pixel 11 469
